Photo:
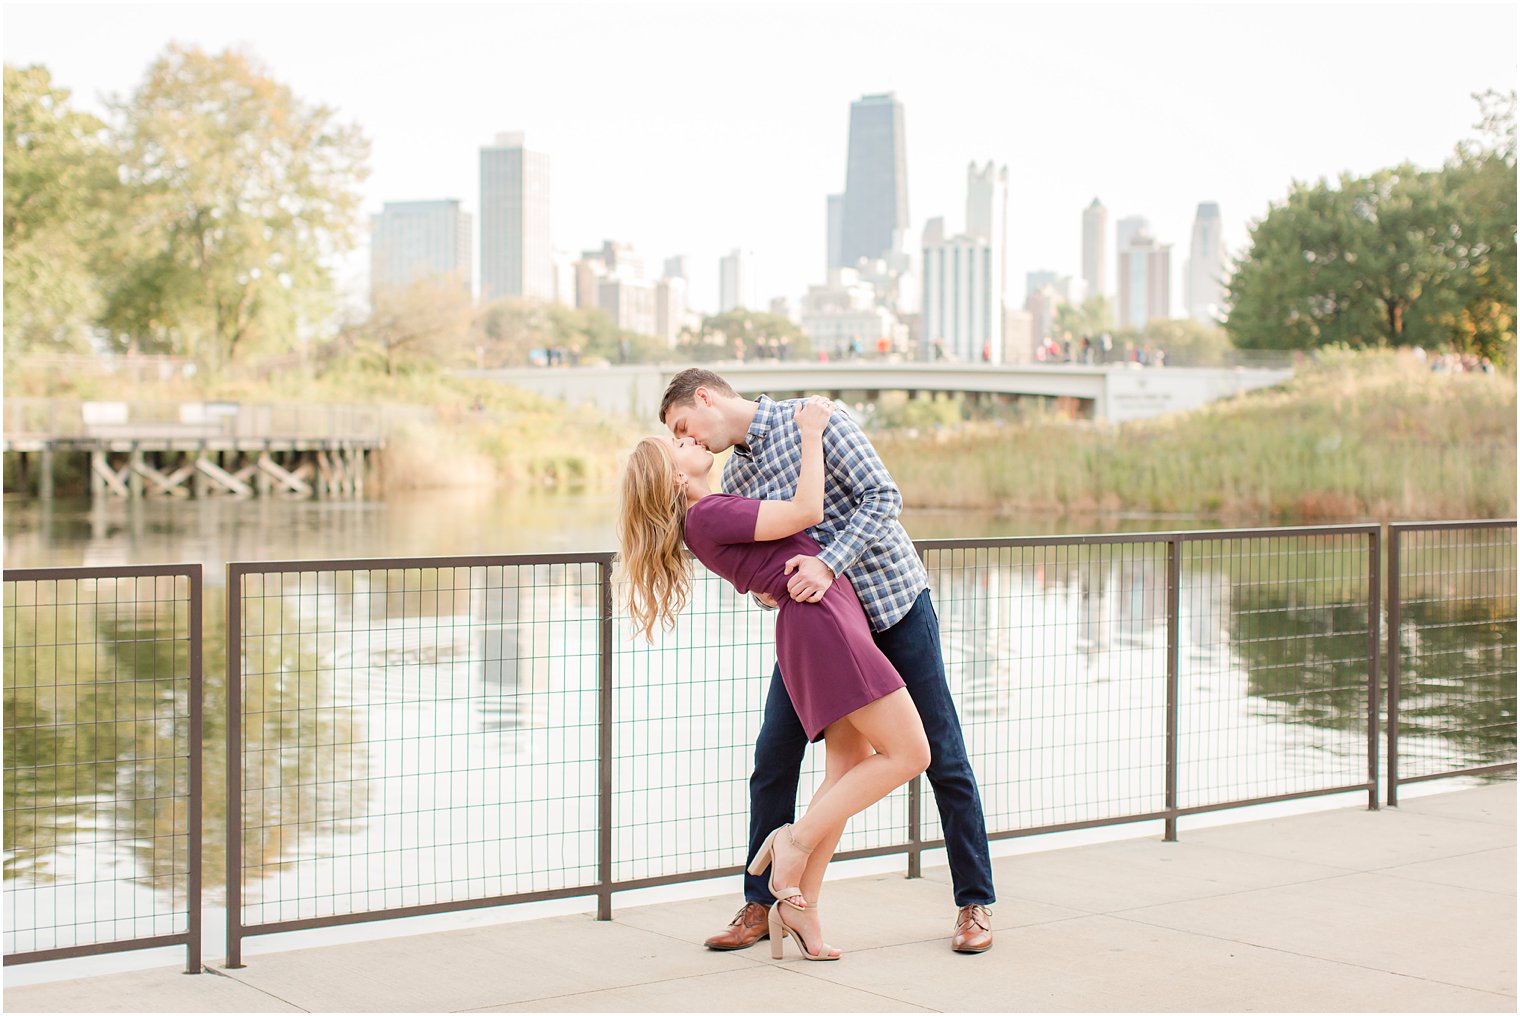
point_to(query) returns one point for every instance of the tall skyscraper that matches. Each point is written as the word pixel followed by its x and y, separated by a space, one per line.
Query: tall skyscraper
pixel 987 212
pixel 1095 248
pixel 411 240
pixel 876 180
pixel 736 281
pixel 678 267
pixel 1145 281
pixel 516 258
pixel 836 233
pixel 1203 282
pixel 963 310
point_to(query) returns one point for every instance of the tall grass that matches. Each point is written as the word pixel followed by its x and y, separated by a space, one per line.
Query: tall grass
pixel 1367 436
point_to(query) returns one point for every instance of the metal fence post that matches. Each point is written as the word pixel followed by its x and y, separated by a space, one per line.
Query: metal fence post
pixel 915 827
pixel 1374 633
pixel 1173 656
pixel 1394 620
pixel 197 695
pixel 604 737
pixel 234 767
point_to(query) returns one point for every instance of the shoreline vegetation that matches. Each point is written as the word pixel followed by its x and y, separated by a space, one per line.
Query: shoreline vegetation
pixel 1368 435
pixel 1355 435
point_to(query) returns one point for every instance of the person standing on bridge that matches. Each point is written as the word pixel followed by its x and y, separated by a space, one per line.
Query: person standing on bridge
pixel 840 685
pixel 861 539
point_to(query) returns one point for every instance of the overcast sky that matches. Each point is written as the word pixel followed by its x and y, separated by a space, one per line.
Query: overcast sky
pixel 693 129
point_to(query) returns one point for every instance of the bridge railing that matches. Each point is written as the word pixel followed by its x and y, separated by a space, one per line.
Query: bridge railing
pixel 41 419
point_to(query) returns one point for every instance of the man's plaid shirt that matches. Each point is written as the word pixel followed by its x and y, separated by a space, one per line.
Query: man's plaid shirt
pixel 860 534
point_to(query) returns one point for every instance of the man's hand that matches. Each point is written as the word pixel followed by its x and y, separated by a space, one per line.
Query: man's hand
pixel 768 600
pixel 812 578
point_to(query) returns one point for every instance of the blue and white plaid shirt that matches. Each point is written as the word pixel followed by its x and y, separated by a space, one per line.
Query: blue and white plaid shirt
pixel 860 535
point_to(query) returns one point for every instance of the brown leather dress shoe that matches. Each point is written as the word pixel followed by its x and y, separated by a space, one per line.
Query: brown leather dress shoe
pixel 973 930
pixel 749 926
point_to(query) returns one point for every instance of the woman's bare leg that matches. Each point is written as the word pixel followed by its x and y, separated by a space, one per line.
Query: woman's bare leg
pixel 846 747
pixel 892 727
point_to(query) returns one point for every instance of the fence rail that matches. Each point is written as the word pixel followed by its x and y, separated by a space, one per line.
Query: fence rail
pixel 103 754
pixel 36 421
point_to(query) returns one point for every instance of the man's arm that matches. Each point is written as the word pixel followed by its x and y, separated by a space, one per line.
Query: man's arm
pixel 854 467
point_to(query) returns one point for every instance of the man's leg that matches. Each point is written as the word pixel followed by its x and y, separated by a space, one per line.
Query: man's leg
pixel 912 644
pixel 773 784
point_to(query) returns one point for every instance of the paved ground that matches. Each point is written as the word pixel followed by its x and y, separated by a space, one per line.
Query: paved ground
pixel 1408 909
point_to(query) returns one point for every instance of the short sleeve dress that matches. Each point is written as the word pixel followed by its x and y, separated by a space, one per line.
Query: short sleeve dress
pixel 830 664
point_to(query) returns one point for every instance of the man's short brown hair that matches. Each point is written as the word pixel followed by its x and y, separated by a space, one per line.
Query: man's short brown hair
pixel 682 390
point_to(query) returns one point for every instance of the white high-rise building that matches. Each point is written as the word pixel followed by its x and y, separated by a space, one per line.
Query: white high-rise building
pixel 1203 281
pixel 630 302
pixel 962 306
pixel 736 281
pixel 516 257
pixel 1124 231
pixel 987 212
pixel 412 240
pixel 677 267
pixel 1095 249
pixel 836 232
pixel 669 307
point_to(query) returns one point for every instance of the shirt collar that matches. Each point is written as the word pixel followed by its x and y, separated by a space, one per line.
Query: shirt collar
pixel 765 418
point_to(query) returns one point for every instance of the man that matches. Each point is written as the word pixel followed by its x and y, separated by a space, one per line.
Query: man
pixel 860 536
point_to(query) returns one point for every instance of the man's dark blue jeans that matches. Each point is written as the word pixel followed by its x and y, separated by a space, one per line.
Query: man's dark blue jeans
pixel 912 644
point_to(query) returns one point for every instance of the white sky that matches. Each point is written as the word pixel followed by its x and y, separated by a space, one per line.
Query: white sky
pixel 693 129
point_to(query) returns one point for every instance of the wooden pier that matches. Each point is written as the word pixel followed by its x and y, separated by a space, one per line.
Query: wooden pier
pixel 194 449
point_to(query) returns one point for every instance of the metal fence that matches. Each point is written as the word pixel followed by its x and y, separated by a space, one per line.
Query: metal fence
pixel 420 735
pixel 415 736
pixel 102 760
pixel 1451 650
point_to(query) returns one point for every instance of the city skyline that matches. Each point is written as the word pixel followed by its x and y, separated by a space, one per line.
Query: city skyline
pixel 633 164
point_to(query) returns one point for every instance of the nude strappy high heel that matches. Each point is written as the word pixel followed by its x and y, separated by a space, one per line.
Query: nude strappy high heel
pixel 780 930
pixel 766 855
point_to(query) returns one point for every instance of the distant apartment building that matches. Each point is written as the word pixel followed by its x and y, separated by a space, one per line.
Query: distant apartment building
pixel 631 303
pixel 670 307
pixel 413 240
pixel 1095 249
pixel 1145 281
pixel 516 257
pixel 1203 278
pixel 736 281
pixel 678 267
pixel 835 213
pixel 1066 288
pixel 1018 336
pixel 962 307
pixel 845 311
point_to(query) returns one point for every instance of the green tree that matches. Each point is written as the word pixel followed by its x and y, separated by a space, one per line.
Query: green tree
pixel 59 174
pixel 1400 257
pixel 756 331
pixel 1092 317
pixel 1187 342
pixel 241 196
pixel 422 326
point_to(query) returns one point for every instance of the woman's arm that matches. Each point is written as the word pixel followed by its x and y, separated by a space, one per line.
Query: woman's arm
pixel 778 519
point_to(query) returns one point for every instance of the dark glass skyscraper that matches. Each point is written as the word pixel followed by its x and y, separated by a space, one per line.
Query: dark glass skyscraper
pixel 876 179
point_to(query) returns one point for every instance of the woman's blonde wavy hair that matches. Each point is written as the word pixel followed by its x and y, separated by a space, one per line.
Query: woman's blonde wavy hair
pixel 652 571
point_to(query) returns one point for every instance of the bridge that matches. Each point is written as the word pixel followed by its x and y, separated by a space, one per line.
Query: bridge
pixel 1113 392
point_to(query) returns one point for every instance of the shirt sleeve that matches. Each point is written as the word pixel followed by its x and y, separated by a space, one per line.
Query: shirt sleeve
pixel 858 472
pixel 724 518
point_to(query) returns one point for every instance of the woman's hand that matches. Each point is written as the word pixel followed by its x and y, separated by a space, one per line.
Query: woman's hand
pixel 813 415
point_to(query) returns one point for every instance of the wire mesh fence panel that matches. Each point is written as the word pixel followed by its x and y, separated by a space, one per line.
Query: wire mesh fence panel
pixel 687 710
pixel 102 744
pixel 1055 656
pixel 415 734
pixel 1456 649
pixel 1274 666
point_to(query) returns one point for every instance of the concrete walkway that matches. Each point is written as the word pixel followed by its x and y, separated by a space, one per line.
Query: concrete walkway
pixel 1407 909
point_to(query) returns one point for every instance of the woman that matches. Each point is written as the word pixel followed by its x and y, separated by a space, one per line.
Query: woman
pixel 842 687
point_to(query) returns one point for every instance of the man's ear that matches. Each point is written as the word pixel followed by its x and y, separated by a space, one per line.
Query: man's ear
pixel 703 396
